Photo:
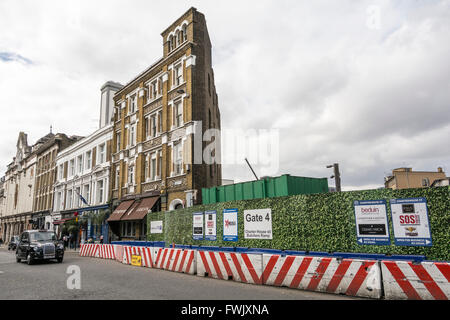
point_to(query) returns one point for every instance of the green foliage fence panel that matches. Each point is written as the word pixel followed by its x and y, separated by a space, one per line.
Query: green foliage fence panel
pixel 318 222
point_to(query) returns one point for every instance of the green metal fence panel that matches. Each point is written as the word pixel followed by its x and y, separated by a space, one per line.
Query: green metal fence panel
pixel 229 192
pixel 282 186
pixel 205 196
pixel 248 191
pixel 239 191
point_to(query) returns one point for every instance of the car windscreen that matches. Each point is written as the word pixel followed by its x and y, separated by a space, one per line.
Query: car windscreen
pixel 42 236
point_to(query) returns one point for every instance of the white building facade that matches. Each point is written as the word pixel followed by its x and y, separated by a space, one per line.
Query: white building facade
pixel 82 189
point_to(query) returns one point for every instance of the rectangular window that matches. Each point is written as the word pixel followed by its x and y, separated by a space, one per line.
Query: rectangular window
pixel 160 121
pixel 72 167
pixel 178 113
pixel 86 193
pixel 100 191
pixel 133 104
pixel 178 158
pixel 77 197
pixel 132 141
pixel 69 200
pixel 178 74
pixel 101 153
pixel 147 126
pixel 88 160
pixel 153 169
pixel 117 141
pixel 131 176
pixel 80 163
pixel 60 172
pixel 159 164
pixel 153 124
pixel 117 177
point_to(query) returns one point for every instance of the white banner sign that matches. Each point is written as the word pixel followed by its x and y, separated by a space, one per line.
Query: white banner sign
pixel 258 224
pixel 230 225
pixel 197 231
pixel 156 227
pixel 410 220
pixel 371 222
pixel 210 225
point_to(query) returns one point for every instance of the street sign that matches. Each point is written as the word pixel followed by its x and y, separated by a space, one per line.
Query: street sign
pixel 258 224
pixel 410 221
pixel 136 260
pixel 156 227
pixel 230 225
pixel 371 222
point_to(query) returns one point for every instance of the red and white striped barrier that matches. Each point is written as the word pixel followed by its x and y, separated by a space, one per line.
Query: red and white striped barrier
pixel 90 250
pixel 241 267
pixel 424 281
pixel 348 276
pixel 177 260
pixel 144 252
pixel 106 251
pixel 118 251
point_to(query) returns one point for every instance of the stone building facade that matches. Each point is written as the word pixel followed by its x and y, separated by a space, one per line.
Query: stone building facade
pixel 46 152
pixel 160 119
pixel 18 188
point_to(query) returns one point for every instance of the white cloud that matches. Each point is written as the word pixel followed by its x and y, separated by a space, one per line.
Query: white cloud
pixel 339 91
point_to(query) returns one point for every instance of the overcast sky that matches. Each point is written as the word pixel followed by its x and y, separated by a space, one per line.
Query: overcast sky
pixel 362 83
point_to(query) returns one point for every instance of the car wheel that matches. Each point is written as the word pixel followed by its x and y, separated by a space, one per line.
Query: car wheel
pixel 29 259
pixel 60 260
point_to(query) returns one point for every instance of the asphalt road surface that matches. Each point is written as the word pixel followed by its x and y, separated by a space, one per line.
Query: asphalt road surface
pixel 109 280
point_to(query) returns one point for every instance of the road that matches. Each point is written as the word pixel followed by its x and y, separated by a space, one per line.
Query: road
pixel 109 280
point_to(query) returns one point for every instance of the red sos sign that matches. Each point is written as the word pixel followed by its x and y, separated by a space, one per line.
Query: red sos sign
pixel 409 219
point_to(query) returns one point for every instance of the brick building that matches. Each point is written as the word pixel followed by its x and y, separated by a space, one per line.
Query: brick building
pixel 160 119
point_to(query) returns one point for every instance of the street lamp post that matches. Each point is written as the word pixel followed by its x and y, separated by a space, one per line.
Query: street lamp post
pixel 336 176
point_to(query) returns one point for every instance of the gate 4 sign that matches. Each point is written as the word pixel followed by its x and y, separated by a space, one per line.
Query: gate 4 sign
pixel 410 220
pixel 198 226
pixel 371 222
pixel 258 224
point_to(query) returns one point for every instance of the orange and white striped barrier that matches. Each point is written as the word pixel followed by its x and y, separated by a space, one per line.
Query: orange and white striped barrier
pixel 106 251
pixel 424 281
pixel 241 267
pixel 177 260
pixel 347 276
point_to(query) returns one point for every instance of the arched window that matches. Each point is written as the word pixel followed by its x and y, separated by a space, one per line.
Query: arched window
pixel 184 32
pixel 178 36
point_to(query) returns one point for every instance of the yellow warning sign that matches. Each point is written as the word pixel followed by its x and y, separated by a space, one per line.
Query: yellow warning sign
pixel 136 260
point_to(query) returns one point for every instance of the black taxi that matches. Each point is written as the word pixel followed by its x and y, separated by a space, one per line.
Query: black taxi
pixel 39 245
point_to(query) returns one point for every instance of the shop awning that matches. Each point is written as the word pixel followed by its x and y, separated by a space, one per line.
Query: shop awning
pixel 120 211
pixel 62 221
pixel 139 211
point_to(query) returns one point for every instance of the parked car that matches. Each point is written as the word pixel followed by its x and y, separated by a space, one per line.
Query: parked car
pixel 39 245
pixel 13 243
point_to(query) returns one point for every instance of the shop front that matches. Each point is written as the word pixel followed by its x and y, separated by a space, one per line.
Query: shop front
pixel 84 224
pixel 129 220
